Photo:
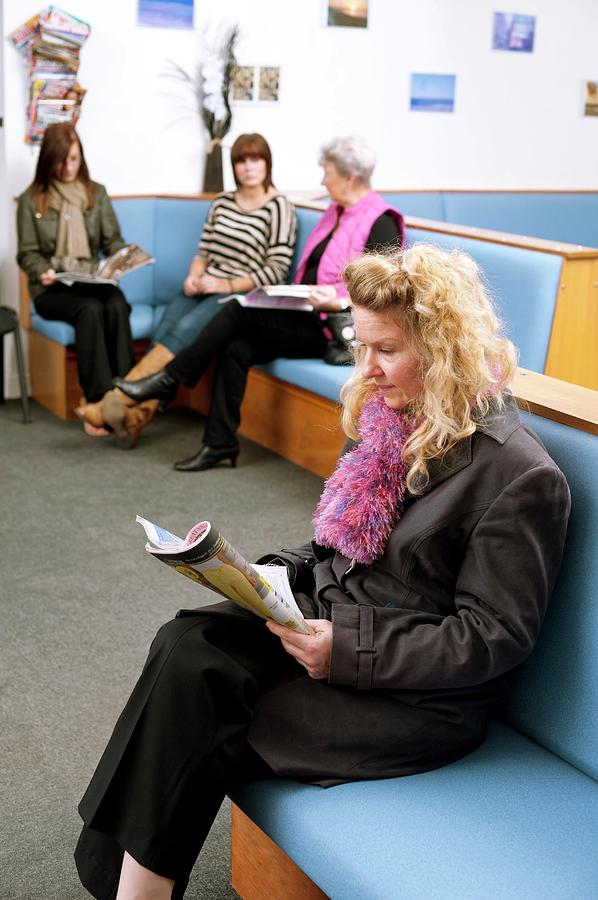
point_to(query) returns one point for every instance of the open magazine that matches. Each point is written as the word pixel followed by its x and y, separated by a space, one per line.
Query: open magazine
pixel 275 296
pixel 111 269
pixel 207 558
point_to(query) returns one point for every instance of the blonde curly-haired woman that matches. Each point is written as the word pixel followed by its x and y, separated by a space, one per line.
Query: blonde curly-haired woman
pixel 438 540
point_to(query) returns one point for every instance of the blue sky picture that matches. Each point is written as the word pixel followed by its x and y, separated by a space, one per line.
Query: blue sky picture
pixel 165 13
pixel 512 31
pixel 432 93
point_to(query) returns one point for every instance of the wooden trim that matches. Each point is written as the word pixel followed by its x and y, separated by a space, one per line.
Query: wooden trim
pixel 203 196
pixel 24 301
pixel 501 190
pixel 569 251
pixel 573 347
pixel 260 870
pixel 557 400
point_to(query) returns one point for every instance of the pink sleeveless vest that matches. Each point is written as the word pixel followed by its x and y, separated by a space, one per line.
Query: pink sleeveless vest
pixel 349 239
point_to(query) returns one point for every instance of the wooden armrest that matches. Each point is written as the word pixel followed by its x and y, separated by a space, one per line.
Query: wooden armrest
pixel 558 400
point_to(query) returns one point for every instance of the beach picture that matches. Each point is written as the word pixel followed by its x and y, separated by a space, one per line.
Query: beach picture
pixel 165 13
pixel 590 106
pixel 432 93
pixel 242 84
pixel 269 84
pixel 512 31
pixel 346 13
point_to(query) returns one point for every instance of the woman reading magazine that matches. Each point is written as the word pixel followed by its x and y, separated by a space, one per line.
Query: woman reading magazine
pixel 437 543
pixel 64 221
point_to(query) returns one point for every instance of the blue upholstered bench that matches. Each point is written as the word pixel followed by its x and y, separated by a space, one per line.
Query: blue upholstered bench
pixel 568 216
pixel 518 818
pixel 524 283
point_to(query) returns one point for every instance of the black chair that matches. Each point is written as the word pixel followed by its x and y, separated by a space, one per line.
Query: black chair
pixel 9 322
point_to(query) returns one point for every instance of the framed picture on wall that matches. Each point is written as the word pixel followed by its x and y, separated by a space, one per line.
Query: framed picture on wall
pixel 255 84
pixel 512 31
pixel 432 93
pixel 345 13
pixel 165 13
pixel 269 84
pixel 590 103
pixel 243 84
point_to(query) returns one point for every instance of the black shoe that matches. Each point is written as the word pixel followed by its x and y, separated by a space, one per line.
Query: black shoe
pixel 207 458
pixel 160 386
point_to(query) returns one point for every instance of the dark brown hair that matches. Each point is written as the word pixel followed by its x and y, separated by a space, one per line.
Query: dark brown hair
pixel 54 150
pixel 252 145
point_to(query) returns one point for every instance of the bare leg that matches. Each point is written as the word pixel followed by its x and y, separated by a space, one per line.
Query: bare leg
pixel 139 883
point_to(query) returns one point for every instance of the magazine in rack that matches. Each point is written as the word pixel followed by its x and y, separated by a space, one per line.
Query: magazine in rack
pixel 111 269
pixel 207 558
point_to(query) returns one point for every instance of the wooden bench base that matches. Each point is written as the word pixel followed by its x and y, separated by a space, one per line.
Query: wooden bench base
pixel 301 426
pixel 260 870
pixel 53 374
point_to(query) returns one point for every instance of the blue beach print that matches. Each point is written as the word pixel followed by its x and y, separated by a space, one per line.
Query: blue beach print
pixel 513 32
pixel 165 13
pixel 432 93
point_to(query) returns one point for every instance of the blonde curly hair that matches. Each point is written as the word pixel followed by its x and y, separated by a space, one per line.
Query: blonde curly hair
pixel 447 316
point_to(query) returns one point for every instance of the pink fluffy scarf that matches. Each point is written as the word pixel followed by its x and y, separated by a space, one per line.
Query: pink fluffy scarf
pixel 362 500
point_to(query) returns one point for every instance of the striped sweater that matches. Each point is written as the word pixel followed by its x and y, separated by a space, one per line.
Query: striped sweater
pixel 259 243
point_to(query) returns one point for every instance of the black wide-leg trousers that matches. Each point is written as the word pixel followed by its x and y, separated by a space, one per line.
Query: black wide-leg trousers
pixel 239 337
pixel 179 745
pixel 99 314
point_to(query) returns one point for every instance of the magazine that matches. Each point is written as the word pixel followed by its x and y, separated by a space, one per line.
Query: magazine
pixel 207 558
pixel 275 296
pixel 111 269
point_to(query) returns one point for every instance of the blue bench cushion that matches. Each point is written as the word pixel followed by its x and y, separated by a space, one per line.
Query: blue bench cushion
pixel 142 319
pixel 510 821
pixel 555 696
pixel 311 374
pixel 524 284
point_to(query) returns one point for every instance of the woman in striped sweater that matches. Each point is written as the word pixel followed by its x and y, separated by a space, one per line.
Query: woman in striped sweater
pixel 247 241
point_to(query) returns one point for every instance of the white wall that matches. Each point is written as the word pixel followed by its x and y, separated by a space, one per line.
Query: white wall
pixel 517 119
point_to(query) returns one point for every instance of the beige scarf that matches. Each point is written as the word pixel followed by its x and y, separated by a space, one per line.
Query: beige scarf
pixel 69 199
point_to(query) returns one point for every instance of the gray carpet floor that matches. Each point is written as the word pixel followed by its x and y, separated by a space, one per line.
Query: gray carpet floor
pixel 80 601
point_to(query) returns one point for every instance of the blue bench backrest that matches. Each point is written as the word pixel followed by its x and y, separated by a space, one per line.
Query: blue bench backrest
pixel 554 698
pixel 572 218
pixel 524 284
pixel 423 204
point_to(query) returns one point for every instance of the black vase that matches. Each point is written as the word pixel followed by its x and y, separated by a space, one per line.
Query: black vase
pixel 212 176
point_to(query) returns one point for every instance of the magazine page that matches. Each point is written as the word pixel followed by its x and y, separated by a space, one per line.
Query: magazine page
pixel 275 296
pixel 111 269
pixel 207 558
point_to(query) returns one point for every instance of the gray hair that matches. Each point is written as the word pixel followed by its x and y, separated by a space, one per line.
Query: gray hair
pixel 350 156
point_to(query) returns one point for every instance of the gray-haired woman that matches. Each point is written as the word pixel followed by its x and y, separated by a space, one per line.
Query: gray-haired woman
pixel 358 219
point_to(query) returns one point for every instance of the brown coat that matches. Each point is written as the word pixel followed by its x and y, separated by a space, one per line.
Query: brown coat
pixel 423 638
pixel 37 234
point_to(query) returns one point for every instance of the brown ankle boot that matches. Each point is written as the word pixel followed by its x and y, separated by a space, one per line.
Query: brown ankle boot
pixel 94 413
pixel 127 422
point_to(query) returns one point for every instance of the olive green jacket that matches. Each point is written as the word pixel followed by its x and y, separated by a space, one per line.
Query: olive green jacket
pixel 37 234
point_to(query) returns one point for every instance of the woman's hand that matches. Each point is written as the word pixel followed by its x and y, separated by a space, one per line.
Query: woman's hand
pixel 48 277
pixel 312 651
pixel 323 298
pixel 212 285
pixel 191 285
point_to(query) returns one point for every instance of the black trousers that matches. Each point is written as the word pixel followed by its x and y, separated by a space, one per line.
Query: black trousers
pixel 178 746
pixel 99 314
pixel 238 338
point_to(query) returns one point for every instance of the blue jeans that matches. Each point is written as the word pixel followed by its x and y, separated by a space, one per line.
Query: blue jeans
pixel 184 320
